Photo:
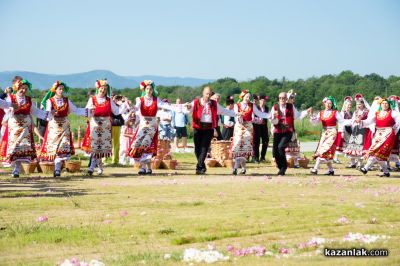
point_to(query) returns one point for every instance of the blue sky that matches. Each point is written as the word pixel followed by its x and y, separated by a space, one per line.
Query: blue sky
pixel 204 39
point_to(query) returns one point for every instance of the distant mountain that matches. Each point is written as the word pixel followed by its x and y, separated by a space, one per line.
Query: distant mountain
pixel 87 79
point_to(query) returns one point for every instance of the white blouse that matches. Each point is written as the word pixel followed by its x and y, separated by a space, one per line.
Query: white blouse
pixel 71 106
pixel 7 104
pixel 115 109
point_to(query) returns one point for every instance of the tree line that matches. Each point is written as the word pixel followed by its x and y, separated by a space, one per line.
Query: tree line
pixel 310 92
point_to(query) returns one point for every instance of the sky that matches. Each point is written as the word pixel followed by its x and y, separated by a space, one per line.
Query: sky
pixel 203 39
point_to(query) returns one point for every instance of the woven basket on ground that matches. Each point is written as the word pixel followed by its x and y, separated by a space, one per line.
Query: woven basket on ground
pixel 211 162
pixel 303 162
pixel 220 149
pixel 170 164
pixel 29 168
pixel 47 167
pixel 73 166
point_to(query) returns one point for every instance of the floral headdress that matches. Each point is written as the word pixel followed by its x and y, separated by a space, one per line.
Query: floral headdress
pixel 359 98
pixel 52 91
pixel 103 82
pixel 21 82
pixel 347 100
pixel 243 93
pixel 333 101
pixel 146 83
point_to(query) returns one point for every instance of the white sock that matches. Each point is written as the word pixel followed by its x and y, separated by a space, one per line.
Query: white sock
pixel 243 164
pixel 57 164
pixel 317 163
pixel 237 163
pixel 296 161
pixel 17 166
pixel 384 166
pixel 353 161
pixel 370 162
pixel 93 163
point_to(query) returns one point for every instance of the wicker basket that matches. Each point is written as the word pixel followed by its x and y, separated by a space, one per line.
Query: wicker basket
pixel 211 162
pixel 29 168
pixel 156 163
pixel 47 167
pixel 303 162
pixel 170 164
pixel 73 166
pixel 220 149
pixel 136 166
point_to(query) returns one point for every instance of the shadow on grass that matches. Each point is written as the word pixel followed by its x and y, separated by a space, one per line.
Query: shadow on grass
pixel 39 189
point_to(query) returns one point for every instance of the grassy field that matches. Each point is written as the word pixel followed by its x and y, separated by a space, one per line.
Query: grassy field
pixel 123 219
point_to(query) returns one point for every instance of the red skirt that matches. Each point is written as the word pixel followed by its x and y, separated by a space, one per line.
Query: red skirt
pixel 367 141
pixel 381 148
pixel 339 141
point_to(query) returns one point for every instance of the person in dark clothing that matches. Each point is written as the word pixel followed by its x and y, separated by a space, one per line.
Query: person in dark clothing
pixel 260 127
pixel 229 121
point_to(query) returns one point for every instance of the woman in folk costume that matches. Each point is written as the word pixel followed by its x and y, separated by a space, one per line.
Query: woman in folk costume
pixel 394 156
pixel 360 138
pixel 242 144
pixel 344 132
pixel 329 118
pixel 58 144
pixel 144 145
pixel 17 144
pixel 386 122
pixel 98 140
pixel 293 148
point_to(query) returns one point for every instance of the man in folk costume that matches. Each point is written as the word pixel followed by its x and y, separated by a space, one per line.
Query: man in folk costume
pixel 387 123
pixel 58 144
pixel 98 139
pixel 144 144
pixel 229 121
pixel 329 118
pixel 17 143
pixel 360 138
pixel 242 144
pixel 293 148
pixel 283 127
pixel 204 122
pixel 260 127
pixel 343 131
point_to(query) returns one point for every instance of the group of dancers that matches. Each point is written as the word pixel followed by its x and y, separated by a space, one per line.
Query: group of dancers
pixel 370 133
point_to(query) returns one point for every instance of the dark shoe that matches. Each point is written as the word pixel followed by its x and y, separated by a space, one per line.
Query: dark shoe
pixel 15 174
pixel 243 171
pixel 296 166
pixel 57 173
pixel 351 166
pixel 142 172
pixel 262 160
pixel 149 172
pixel 385 175
pixel 281 173
pixel 199 172
pixel 314 172
pixel 330 173
pixel 363 170
pixel 90 172
pixel 234 172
